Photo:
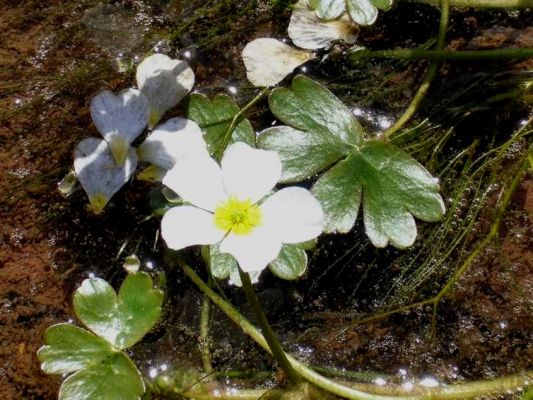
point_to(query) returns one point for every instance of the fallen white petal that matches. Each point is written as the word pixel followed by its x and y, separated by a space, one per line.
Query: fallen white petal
pixel 254 251
pixel 307 31
pixel 120 119
pixel 197 180
pixel 268 61
pixel 248 172
pixel 294 214
pixel 186 226
pixel 164 82
pixel 171 142
pixel 98 173
pixel 327 9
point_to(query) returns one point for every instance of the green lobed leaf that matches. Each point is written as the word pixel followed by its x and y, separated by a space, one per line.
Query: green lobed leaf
pixel 220 264
pixel 395 188
pixel 382 4
pixel 69 348
pixel 302 153
pixel 122 320
pixel 339 192
pixel 308 106
pixel 290 264
pixel 114 378
pixel 328 9
pixel 362 12
pixel 215 116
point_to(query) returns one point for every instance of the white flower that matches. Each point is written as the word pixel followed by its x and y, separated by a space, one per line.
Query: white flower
pixel 164 82
pixel 120 119
pixel 98 173
pixel 171 142
pixel 229 204
pixel 268 61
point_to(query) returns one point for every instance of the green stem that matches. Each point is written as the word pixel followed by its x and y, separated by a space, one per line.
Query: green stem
pixel 236 120
pixel 270 336
pixel 459 391
pixel 231 394
pixel 204 332
pixel 480 3
pixel 430 73
pixel 435 55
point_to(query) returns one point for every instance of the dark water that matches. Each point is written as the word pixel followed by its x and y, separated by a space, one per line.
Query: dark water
pixel 55 55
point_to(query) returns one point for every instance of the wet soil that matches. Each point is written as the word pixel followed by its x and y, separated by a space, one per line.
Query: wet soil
pixel 55 55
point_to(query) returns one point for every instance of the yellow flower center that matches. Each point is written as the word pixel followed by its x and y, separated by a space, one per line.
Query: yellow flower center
pixel 239 217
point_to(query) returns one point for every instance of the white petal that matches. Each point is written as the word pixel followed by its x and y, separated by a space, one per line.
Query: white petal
pixel 248 172
pixel 186 226
pixel 294 214
pixel 254 251
pixel 235 277
pixel 98 173
pixel 164 82
pixel 268 61
pixel 172 142
pixel 307 31
pixel 197 180
pixel 120 118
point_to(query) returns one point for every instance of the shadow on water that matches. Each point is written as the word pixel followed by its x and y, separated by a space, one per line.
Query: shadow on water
pixel 465 136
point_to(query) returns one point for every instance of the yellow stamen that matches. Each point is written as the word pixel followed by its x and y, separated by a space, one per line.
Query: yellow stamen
pixel 239 217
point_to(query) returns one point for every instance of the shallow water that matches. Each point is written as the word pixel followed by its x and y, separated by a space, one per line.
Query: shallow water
pixel 56 55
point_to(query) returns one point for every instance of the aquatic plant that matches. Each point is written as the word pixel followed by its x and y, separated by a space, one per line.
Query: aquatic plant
pixel 221 195
pixel 363 12
pixel 94 360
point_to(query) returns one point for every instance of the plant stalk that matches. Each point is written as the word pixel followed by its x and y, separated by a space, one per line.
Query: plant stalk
pixel 270 336
pixel 205 313
pixel 480 3
pixel 458 391
pixel 236 120
pixel 428 77
pixel 436 55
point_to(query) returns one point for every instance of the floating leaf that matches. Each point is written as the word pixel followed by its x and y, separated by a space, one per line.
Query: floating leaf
pixel 220 264
pixel 393 186
pixel 164 82
pixel 362 12
pixel 307 31
pixel 340 194
pixel 98 173
pixel 328 9
pixel 120 119
pixel 302 154
pixel 290 264
pixel 311 107
pixel 69 348
pixel 113 378
pixel 215 117
pixel 322 130
pixel 172 142
pixel 121 320
pixel 269 61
